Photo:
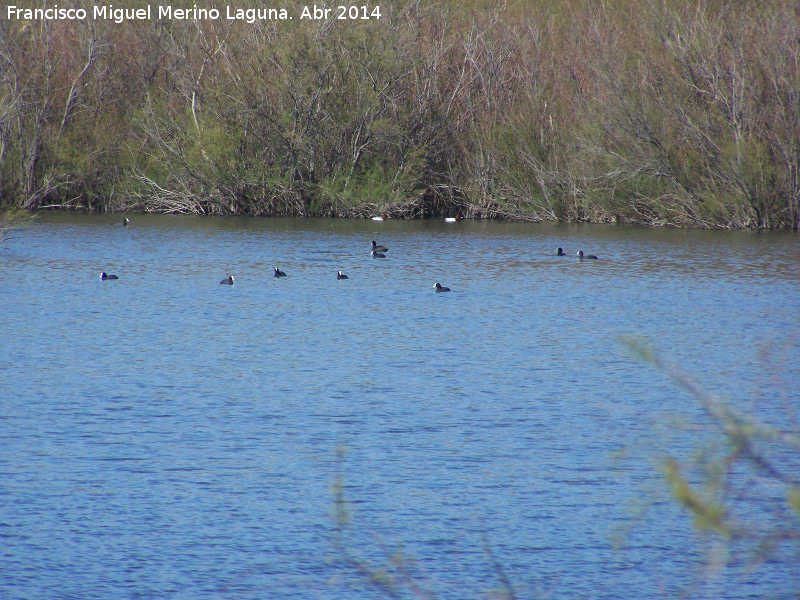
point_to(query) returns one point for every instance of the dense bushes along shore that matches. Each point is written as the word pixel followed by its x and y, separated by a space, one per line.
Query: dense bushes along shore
pixel 659 112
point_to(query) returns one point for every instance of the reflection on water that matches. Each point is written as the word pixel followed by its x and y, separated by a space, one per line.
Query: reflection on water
pixel 166 436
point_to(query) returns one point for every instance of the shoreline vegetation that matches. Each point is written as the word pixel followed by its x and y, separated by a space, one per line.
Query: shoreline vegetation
pixel 658 113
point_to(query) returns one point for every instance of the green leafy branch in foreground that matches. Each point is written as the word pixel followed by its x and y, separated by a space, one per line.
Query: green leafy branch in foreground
pixel 397 575
pixel 394 578
pixel 742 489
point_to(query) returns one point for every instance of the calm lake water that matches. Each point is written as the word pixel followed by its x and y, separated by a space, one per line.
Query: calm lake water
pixel 164 436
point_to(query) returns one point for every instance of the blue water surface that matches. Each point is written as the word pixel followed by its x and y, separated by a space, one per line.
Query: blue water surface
pixel 164 436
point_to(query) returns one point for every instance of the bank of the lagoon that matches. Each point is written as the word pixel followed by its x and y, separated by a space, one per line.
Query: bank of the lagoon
pixel 663 113
pixel 167 436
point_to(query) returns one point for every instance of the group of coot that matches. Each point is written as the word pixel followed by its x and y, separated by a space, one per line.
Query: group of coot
pixel 378 251
pixel 579 254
